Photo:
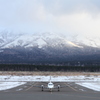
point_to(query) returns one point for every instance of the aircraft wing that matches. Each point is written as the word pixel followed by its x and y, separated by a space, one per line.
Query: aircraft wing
pixel 40 86
pixel 59 86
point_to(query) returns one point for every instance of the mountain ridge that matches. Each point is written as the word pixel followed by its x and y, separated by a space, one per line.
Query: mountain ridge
pixel 44 39
pixel 46 48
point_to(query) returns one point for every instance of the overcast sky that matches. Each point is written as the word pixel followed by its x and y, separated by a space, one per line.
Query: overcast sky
pixel 60 16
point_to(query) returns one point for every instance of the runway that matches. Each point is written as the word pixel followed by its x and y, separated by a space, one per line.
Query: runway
pixel 27 91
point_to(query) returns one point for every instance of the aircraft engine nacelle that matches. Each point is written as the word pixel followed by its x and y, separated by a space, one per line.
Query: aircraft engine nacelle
pixel 58 87
pixel 42 86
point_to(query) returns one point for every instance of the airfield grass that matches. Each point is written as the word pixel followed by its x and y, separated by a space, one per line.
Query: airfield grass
pixel 47 73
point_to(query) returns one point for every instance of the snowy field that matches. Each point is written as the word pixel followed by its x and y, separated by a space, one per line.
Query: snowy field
pixel 9 85
pixel 91 82
pixel 94 86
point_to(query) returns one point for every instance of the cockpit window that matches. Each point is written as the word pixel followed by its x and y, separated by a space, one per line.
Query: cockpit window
pixel 50 84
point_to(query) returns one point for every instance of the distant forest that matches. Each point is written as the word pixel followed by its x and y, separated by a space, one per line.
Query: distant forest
pixel 29 67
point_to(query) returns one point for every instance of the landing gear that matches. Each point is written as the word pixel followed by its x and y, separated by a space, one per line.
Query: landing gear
pixel 58 89
pixel 50 90
pixel 42 88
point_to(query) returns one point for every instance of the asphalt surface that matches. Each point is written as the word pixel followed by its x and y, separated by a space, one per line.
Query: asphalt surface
pixel 71 91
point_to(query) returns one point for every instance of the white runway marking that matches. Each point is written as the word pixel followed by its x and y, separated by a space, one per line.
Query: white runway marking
pixel 19 89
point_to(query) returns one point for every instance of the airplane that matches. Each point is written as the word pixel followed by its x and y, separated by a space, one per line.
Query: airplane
pixel 50 86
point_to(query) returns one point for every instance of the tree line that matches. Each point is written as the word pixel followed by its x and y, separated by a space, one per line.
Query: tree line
pixel 28 67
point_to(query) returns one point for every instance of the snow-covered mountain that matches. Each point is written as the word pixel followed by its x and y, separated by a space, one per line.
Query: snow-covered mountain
pixel 7 37
pixel 85 40
pixel 31 40
pixel 47 47
pixel 9 40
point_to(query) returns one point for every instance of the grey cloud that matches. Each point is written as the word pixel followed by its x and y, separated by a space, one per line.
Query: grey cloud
pixel 23 14
pixel 71 6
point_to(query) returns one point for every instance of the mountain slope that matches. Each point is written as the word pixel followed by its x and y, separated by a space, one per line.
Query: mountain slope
pixel 40 40
pixel 47 48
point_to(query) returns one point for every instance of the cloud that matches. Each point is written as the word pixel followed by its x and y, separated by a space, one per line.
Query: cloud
pixel 64 16
pixel 79 23
pixel 22 15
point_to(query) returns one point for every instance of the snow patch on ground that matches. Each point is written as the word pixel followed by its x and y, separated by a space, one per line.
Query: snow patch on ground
pixel 10 78
pixel 9 85
pixel 93 86
pixel 9 81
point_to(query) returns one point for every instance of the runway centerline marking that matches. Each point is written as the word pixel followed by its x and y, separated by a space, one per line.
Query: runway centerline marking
pixel 70 87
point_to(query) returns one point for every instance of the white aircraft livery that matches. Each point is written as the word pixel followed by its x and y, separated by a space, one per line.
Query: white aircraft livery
pixel 50 86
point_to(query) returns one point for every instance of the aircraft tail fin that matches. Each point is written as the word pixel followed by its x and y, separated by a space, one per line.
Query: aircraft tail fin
pixel 50 79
